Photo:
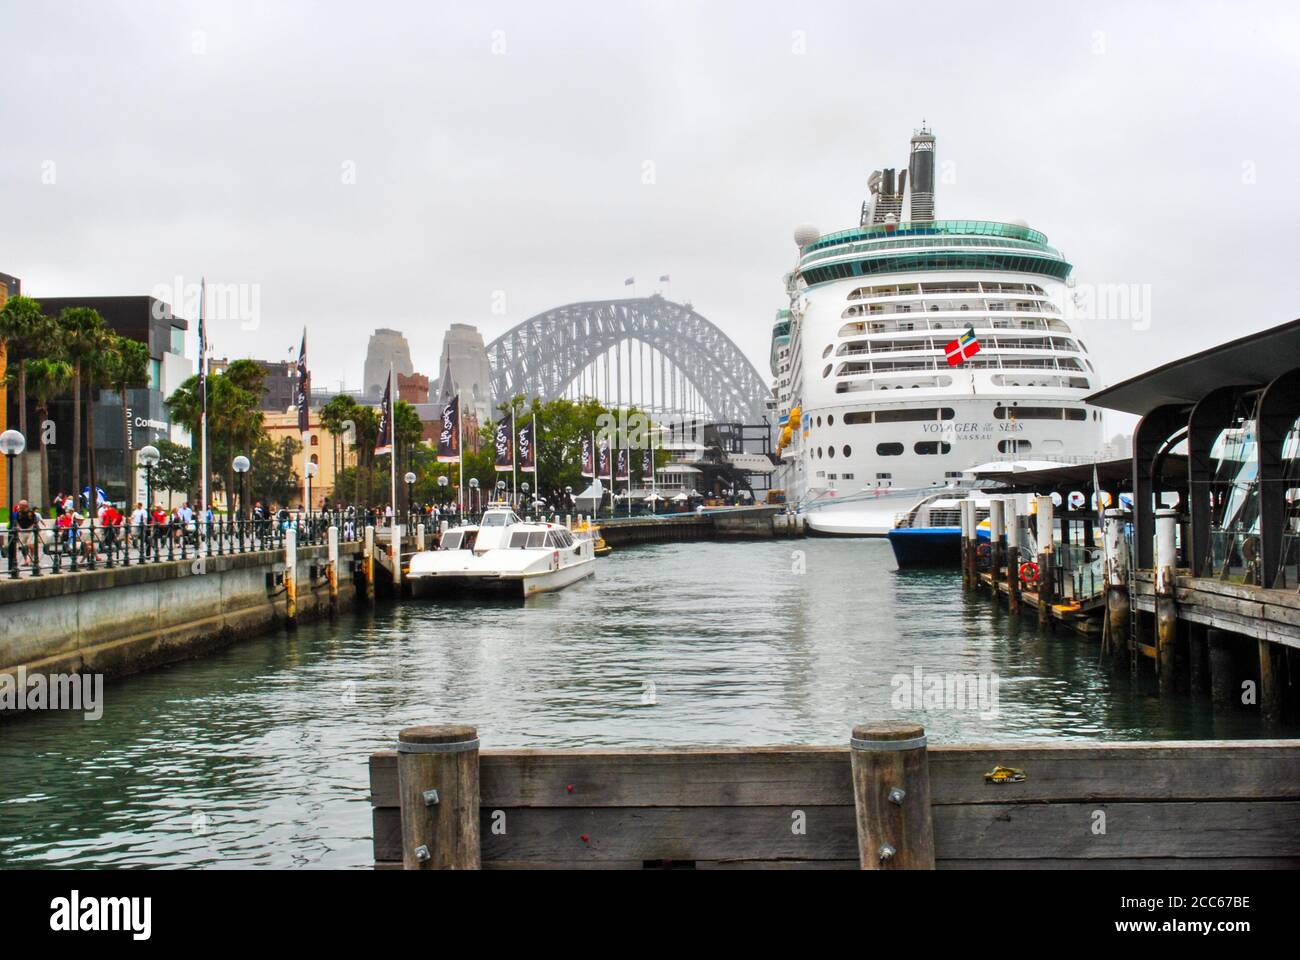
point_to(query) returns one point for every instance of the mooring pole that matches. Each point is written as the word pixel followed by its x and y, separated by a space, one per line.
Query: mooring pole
pixel 291 577
pixel 1116 583
pixel 1223 669
pixel 370 563
pixel 1166 608
pixel 1013 556
pixel 1271 669
pixel 1046 581
pixel 968 577
pixel 332 567
pixel 437 781
pixel 997 547
pixel 419 537
pixel 891 796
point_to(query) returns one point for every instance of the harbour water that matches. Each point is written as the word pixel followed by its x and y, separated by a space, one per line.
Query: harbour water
pixel 257 756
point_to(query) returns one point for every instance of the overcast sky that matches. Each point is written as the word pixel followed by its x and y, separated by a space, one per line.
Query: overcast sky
pixel 398 164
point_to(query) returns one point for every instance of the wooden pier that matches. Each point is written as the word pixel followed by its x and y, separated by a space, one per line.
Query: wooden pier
pixel 886 800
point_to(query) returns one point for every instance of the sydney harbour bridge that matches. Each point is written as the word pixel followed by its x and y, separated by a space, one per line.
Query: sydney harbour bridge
pixel 648 352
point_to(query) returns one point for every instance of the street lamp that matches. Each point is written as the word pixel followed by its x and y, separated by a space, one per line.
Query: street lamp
pixel 311 470
pixel 148 457
pixel 13 443
pixel 501 491
pixel 410 491
pixel 241 466
pixel 523 488
pixel 473 493
pixel 442 489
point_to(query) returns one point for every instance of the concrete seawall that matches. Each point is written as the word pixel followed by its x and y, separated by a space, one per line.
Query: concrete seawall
pixel 124 620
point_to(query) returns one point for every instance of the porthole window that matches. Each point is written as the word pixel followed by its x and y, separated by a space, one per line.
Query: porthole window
pixel 827 372
pixel 931 447
pixel 819 421
pixel 827 352
pixel 830 452
pixel 830 420
pixel 889 449
pixel 819 453
pixel 848 451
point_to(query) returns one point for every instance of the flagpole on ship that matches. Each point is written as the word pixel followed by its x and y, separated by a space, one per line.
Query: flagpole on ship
pixel 392 477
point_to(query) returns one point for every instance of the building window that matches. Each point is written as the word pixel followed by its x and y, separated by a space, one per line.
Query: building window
pixel 155 374
pixel 315 441
pixel 178 341
pixel 889 449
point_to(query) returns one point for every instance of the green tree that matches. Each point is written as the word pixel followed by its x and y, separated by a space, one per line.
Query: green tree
pixel 27 334
pixel 47 377
pixel 235 421
pixel 175 471
pixel 273 477
pixel 336 418
pixel 83 334
pixel 128 368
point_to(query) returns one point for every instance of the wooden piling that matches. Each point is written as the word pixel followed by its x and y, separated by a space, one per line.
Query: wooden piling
pixel 437 774
pixel 1166 608
pixel 369 562
pixel 1198 662
pixel 997 547
pixel 419 538
pixel 1046 579
pixel 1118 609
pixel 1013 556
pixel 1223 670
pixel 291 577
pixel 963 514
pixel 332 567
pixel 1270 687
pixel 891 796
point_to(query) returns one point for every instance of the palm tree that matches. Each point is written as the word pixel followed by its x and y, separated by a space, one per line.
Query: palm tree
pixel 334 415
pixel 129 369
pixel 234 417
pixel 47 377
pixel 26 332
pixel 83 333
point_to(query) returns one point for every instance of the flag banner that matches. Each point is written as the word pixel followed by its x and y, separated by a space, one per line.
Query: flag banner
pixel 622 465
pixel 384 440
pixel 629 281
pixel 604 467
pixel 303 388
pixel 588 457
pixel 504 449
pixel 664 278
pixel 527 448
pixel 449 432
pixel 963 348
pixel 647 463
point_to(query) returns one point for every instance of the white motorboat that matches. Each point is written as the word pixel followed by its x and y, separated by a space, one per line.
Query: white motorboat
pixel 503 553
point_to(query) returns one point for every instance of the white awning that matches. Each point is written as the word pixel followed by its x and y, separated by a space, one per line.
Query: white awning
pixel 678 468
pixel 751 462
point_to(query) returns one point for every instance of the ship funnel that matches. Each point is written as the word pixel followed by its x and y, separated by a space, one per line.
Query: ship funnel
pixel 921 166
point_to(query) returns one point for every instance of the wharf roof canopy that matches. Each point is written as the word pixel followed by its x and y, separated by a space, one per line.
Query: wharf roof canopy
pixel 1254 360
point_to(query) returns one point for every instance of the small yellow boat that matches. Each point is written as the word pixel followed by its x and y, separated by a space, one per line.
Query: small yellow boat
pixel 590 531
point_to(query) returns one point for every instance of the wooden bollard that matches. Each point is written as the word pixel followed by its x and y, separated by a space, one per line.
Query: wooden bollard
pixel 1166 608
pixel 291 577
pixel 1271 668
pixel 997 547
pixel 891 796
pixel 1116 583
pixel 967 533
pixel 332 566
pixel 437 782
pixel 1013 556
pixel 395 555
pixel 369 562
pixel 1046 580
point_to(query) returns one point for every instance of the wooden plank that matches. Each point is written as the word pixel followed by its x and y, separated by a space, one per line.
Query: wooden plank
pixel 1264 828
pixel 1241 591
pixel 1010 831
pixel 1129 863
pixel 820 775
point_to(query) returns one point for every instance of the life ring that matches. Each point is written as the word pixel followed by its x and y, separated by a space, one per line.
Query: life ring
pixel 1029 573
pixel 984 555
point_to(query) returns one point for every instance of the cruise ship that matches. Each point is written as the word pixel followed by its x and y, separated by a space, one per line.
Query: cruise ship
pixel 880 396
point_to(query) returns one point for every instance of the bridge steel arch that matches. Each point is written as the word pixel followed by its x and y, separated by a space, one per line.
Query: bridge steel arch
pixel 542 356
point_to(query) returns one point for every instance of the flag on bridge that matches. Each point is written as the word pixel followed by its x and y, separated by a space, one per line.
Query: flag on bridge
pixel 664 279
pixel 629 281
pixel 962 349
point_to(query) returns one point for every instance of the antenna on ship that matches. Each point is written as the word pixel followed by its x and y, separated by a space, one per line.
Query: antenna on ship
pixel 921 165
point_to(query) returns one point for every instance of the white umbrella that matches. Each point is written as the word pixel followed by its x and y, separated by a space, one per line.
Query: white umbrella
pixel 680 497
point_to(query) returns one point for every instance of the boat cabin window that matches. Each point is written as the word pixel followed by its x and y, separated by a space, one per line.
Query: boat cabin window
pixel 519 540
pixel 537 540
pixel 450 540
pixel 501 518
